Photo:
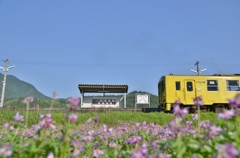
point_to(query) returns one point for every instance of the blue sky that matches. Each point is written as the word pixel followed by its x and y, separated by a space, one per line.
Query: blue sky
pixel 56 45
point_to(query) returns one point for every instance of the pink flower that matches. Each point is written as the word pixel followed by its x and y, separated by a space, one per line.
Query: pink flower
pixel 78 147
pixel 18 117
pixel 134 140
pixel 177 111
pixel 97 153
pixel 227 150
pixel 198 101
pixel 5 150
pixel 72 117
pixel 214 131
pixel 46 121
pixel 73 103
pixel 227 114
pixel 235 102
pixel 28 100
pixel 50 155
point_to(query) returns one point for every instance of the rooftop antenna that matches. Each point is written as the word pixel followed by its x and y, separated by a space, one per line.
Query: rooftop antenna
pixel 198 70
pixel 4 80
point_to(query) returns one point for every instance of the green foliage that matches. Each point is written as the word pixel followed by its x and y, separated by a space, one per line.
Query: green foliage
pixel 16 88
pixel 131 100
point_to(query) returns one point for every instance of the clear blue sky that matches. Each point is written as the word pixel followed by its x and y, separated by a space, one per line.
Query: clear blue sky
pixel 56 45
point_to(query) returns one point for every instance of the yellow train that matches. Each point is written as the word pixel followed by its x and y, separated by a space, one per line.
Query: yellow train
pixel 215 90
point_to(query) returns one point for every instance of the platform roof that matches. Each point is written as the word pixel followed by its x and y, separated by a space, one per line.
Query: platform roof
pixel 102 88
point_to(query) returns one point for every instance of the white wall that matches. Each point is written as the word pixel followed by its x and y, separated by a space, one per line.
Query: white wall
pixel 87 102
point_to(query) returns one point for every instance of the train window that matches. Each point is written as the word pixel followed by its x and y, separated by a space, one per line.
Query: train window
pixel 189 86
pixel 232 85
pixel 178 86
pixel 212 85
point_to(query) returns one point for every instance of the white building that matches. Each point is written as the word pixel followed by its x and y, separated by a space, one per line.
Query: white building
pixel 118 100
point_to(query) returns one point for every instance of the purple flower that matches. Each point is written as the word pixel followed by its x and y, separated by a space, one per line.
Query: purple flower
pixel 78 147
pixel 159 155
pixel 227 151
pixel 5 125
pixel 141 152
pixel 97 153
pixel 205 124
pixel 5 150
pixel 198 101
pixel 50 155
pixel 134 140
pixel 227 114
pixel 214 131
pixel 46 121
pixel 73 103
pixel 72 117
pixel 29 133
pixel 195 117
pixel 96 119
pixel 112 144
pixel 88 138
pixel 177 111
pixel 235 102
pixel 18 117
pixel 28 100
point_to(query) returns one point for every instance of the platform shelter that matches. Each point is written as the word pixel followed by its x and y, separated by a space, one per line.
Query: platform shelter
pixel 113 96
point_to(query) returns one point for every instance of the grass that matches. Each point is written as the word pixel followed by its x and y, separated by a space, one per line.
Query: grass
pixel 108 118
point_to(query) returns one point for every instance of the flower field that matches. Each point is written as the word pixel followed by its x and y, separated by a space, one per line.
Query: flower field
pixel 120 134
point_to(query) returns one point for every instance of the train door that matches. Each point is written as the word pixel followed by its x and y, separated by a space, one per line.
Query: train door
pixel 189 91
pixel 179 91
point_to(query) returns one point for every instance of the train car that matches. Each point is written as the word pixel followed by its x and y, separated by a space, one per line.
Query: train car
pixel 215 90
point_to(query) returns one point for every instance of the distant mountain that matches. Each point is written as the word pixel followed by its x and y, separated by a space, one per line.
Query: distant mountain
pixel 16 88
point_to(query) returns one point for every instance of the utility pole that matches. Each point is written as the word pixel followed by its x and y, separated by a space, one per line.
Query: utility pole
pixel 198 70
pixel 4 80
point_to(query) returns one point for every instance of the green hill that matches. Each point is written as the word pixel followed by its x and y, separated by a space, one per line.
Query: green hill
pixel 131 100
pixel 16 88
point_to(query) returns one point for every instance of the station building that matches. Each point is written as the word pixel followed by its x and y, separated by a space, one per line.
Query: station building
pixel 105 96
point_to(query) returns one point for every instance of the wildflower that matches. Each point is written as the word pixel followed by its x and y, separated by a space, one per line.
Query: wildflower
pixel 112 144
pixel 5 125
pixel 214 131
pixel 134 140
pixel 177 111
pixel 72 117
pixel 5 150
pixel 78 147
pixel 88 138
pixel 235 102
pixel 227 114
pixel 29 133
pixel 141 152
pixel 227 151
pixel 50 155
pixel 96 119
pixel 97 153
pixel 18 117
pixel 195 117
pixel 73 103
pixel 159 155
pixel 198 101
pixel 46 121
pixel 188 123
pixel 28 100
pixel 205 124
